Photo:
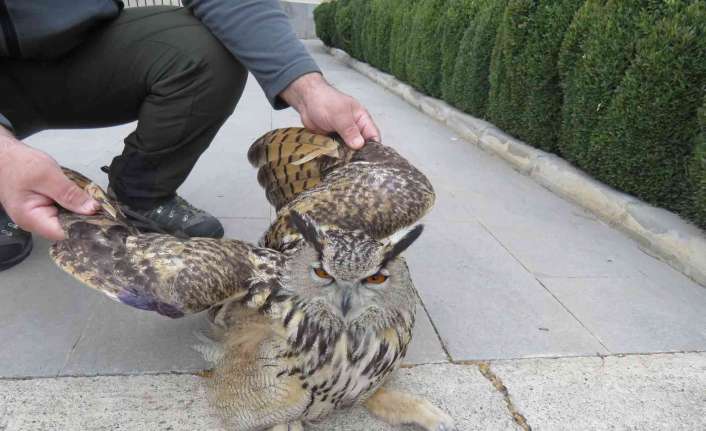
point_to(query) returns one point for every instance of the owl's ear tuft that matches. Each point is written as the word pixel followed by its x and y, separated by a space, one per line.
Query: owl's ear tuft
pixel 306 226
pixel 397 247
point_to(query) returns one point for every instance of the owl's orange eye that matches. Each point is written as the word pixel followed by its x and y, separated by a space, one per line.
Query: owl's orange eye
pixel 376 279
pixel 321 273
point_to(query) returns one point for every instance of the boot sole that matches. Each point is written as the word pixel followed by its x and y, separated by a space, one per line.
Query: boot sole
pixel 19 258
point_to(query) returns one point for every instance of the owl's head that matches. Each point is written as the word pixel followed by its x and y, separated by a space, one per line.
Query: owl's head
pixel 348 272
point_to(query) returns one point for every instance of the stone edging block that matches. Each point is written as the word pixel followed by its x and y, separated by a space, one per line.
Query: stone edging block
pixel 669 237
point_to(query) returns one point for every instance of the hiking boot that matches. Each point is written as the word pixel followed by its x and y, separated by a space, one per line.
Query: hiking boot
pixel 15 243
pixel 176 217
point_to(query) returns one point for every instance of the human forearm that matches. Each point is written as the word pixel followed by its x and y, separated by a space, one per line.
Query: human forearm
pixel 259 35
pixel 301 89
pixel 7 140
pixel 4 133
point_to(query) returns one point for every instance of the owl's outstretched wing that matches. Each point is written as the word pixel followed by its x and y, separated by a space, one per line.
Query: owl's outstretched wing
pixel 157 272
pixel 292 160
pixel 373 189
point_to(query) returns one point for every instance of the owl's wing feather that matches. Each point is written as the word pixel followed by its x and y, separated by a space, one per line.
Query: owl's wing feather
pixel 292 160
pixel 373 189
pixel 157 272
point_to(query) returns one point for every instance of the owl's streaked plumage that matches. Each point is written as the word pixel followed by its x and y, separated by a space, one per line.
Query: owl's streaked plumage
pixel 313 318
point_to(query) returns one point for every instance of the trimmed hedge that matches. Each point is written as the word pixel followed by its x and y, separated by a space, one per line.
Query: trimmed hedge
pixel 424 47
pixel 542 111
pixel 451 27
pixel 343 23
pixel 505 89
pixel 470 83
pixel 697 175
pixel 399 37
pixel 525 95
pixel 380 27
pixel 361 13
pixel 596 51
pixel 645 139
pixel 324 17
pixel 616 86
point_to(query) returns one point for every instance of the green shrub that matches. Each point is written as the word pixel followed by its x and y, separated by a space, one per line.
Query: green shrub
pixel 597 49
pixel 697 206
pixel 324 18
pixel 401 30
pixel 382 12
pixel 343 37
pixel 361 12
pixel 451 27
pixel 541 117
pixel 368 45
pixel 470 84
pixel 645 139
pixel 505 89
pixel 525 95
pixel 424 47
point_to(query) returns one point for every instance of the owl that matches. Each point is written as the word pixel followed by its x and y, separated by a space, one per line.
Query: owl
pixel 312 319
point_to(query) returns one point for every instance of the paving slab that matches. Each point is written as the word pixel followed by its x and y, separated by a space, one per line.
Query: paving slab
pixel 426 346
pixel 637 314
pixel 135 403
pixel 179 402
pixel 636 392
pixel 484 304
pixel 41 317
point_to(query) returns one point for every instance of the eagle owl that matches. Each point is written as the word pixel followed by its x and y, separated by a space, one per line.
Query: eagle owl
pixel 312 319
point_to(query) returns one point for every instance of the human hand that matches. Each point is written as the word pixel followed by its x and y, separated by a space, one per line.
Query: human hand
pixel 30 183
pixel 323 109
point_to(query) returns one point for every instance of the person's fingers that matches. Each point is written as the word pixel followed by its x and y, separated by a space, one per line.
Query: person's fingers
pixel 367 126
pixel 68 194
pixel 43 221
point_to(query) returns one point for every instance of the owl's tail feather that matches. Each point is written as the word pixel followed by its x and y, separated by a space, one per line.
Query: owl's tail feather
pixel 293 160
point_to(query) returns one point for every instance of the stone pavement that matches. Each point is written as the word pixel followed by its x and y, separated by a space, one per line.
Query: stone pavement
pixel 518 287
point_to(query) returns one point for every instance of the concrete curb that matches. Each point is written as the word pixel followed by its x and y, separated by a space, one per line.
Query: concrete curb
pixel 669 237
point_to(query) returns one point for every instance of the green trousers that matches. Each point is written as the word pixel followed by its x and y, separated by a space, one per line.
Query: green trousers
pixel 157 65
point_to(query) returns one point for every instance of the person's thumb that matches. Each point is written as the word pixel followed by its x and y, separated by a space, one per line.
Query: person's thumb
pixel 67 194
pixel 351 135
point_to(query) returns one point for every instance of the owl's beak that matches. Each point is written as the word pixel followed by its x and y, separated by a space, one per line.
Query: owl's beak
pixel 347 289
pixel 346 301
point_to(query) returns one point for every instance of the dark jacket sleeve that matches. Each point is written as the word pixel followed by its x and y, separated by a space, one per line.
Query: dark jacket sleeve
pixel 259 35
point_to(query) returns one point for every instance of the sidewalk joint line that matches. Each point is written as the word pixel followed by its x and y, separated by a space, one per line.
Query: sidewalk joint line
pixel 70 354
pixel 519 418
pixel 433 326
pixel 465 362
pixel 575 317
pixel 571 313
pixel 577 356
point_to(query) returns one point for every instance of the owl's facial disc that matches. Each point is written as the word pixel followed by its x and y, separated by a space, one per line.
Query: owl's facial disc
pixel 348 295
pixel 349 269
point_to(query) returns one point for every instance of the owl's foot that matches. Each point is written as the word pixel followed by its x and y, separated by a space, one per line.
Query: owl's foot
pixel 397 408
pixel 292 426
